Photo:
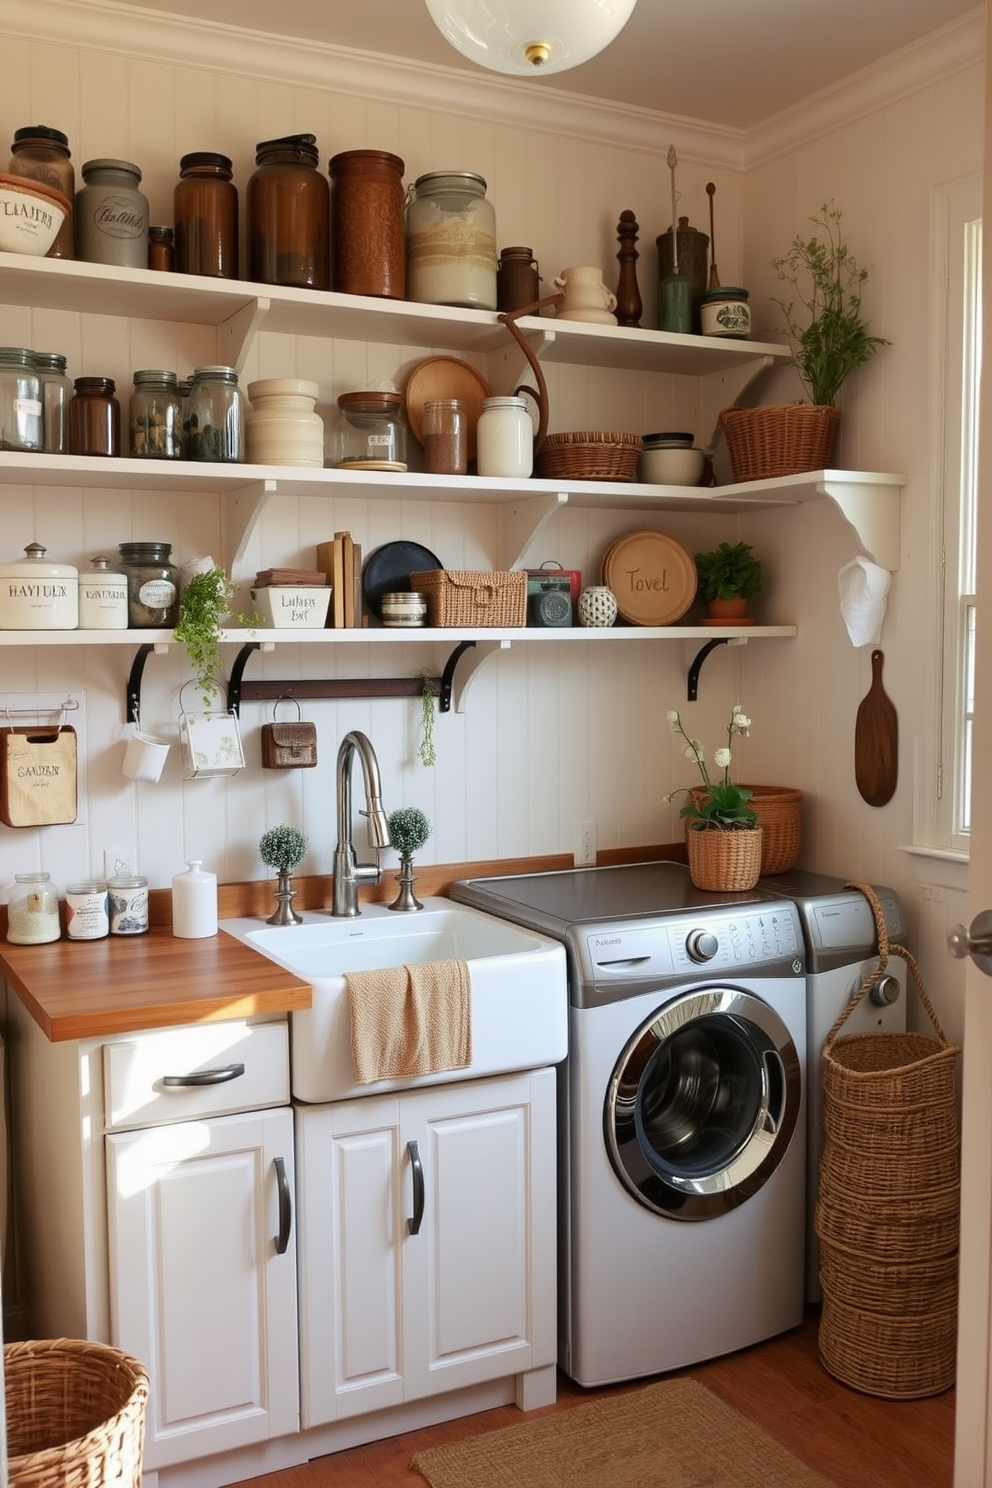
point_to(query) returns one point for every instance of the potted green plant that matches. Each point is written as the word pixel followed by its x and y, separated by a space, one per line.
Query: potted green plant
pixel 282 848
pixel 729 578
pixel 409 829
pixel 202 605
pixel 723 833
pixel 829 336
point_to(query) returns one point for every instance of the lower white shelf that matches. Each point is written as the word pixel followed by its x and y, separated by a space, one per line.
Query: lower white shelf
pixel 268 639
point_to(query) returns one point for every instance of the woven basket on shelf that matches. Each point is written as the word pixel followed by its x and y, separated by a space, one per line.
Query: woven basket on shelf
pixel 589 456
pixel 724 862
pixel 75 1415
pixel 473 596
pixel 780 439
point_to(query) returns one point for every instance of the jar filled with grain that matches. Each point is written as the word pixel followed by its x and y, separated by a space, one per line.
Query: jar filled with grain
pixel 155 416
pixel 451 241
pixel 368 250
pixel 445 430
pixel 152 585
pixel 33 910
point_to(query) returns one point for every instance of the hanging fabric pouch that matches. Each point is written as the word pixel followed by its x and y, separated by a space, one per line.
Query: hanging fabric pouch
pixel 210 743
pixel 288 746
pixel 37 776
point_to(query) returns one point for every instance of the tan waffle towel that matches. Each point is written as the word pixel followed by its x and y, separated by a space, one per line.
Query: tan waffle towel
pixel 410 1020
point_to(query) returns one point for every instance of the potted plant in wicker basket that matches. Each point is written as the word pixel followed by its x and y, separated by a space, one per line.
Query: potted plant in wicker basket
pixel 829 337
pixel 723 834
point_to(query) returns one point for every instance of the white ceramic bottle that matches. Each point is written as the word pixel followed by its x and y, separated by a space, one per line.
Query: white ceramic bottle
pixel 194 903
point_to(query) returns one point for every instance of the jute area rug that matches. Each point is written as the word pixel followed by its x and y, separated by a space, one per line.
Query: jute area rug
pixel 676 1434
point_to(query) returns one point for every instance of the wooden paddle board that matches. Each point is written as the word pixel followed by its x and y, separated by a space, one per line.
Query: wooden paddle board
pixel 876 741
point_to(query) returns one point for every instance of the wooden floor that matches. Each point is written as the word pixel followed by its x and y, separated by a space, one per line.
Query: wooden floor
pixel 855 1440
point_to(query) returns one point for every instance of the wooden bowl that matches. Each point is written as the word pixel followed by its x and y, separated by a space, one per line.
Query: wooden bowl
pixel 31 214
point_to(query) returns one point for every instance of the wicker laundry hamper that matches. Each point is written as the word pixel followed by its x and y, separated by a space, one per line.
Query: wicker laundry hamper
pixel 75 1415
pixel 779 812
pixel 887 1216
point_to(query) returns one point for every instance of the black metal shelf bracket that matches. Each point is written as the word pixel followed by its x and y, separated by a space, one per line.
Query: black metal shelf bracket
pixel 239 691
pixel 132 699
pixel 692 681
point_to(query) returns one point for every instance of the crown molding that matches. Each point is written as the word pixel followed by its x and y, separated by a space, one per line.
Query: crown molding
pixel 128 30
pixel 942 54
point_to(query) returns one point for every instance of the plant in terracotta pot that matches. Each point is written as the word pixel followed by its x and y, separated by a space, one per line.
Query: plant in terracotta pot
pixel 830 339
pixel 729 578
pixel 723 834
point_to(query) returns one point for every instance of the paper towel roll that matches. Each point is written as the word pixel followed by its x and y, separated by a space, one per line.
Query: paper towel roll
pixel 863 587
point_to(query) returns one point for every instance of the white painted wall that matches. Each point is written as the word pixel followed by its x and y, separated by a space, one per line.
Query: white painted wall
pixel 549 737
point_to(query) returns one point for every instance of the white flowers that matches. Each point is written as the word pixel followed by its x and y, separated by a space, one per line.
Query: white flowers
pixel 725 805
pixel 722 759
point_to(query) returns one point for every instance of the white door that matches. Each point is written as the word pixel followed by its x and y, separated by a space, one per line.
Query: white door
pixel 973 1447
pixel 203 1279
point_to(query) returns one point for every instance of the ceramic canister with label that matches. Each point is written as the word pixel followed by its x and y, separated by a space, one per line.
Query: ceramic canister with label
pixel 38 595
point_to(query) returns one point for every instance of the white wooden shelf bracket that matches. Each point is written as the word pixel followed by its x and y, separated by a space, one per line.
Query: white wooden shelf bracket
pixel 241 512
pixel 872 508
pixel 236 334
pixel 521 521
pixel 719 390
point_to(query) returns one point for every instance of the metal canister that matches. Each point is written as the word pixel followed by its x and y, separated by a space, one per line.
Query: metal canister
pixel 38 595
pixel 112 215
pixel 693 256
pixel 87 911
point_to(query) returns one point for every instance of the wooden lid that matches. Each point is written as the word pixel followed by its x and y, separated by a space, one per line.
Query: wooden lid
pixel 652 575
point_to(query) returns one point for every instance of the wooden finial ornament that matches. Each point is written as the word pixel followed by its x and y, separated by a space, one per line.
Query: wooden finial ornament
pixel 629 306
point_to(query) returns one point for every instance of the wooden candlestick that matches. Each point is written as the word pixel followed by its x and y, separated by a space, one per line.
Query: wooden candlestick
pixel 629 306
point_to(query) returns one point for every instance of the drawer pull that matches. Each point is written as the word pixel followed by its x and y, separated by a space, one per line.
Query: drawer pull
pixel 417 1169
pixel 204 1077
pixel 285 1206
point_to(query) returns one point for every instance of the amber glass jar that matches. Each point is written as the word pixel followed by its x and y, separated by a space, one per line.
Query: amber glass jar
pixel 368 235
pixel 289 215
pixel 205 205
pixel 43 154
pixel 518 281
pixel 94 417
pixel 161 249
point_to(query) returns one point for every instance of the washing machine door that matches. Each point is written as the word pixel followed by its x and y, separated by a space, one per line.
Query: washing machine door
pixel 703 1103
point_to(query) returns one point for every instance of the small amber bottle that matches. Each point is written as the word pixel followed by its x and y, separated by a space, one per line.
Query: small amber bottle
pixel 94 417
pixel 206 211
pixel 161 249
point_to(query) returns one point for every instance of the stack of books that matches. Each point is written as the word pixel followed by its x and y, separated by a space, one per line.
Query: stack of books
pixel 340 562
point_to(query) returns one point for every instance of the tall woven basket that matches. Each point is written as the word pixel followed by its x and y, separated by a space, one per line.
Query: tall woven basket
pixel 887 1216
pixel 75 1415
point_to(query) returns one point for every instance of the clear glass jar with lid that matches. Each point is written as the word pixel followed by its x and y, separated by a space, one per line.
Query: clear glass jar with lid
pixel 43 154
pixel 152 585
pixel 22 425
pixel 451 241
pixel 371 431
pixel 56 394
pixel 504 438
pixel 33 910
pixel 215 416
pixel 289 215
pixel 156 416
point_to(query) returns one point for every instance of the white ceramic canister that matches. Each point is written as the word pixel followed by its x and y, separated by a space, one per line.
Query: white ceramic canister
pixel 194 903
pixel 283 427
pixel 102 597
pixel 725 312
pixel 504 438
pixel 38 595
pixel 597 606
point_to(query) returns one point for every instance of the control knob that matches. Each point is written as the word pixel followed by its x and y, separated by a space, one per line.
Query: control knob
pixel 702 945
pixel 885 991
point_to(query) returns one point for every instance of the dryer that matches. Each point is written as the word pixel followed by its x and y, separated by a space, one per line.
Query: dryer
pixel 682 1114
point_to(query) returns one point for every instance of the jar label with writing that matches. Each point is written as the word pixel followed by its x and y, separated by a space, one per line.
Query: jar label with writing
pixel 157 594
pixel 128 911
pixel 87 916
pixel 117 218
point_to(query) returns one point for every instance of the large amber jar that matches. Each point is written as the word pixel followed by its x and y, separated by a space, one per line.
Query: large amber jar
pixel 43 155
pixel 205 208
pixel 289 215
pixel 368 249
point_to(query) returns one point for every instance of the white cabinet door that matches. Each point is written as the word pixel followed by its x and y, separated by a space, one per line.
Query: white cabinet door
pixel 203 1279
pixel 427 1242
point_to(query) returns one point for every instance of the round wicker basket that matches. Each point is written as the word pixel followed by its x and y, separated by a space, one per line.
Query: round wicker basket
pixel 589 456
pixel 724 861
pixel 781 439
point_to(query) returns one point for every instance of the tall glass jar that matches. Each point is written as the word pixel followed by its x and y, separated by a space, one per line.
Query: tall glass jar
pixel 155 416
pixel 56 393
pixel 43 155
pixel 152 585
pixel 289 215
pixel 215 413
pixel 370 432
pixel 33 910
pixel 445 431
pixel 451 241
pixel 205 206
pixel 368 251
pixel 112 215
pixel 22 424
pixel 94 417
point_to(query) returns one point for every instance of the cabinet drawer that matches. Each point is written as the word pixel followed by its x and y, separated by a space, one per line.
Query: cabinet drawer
pixel 177 1074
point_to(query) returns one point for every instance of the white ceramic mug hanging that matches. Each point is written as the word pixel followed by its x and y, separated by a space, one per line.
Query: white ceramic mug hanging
pixel 597 606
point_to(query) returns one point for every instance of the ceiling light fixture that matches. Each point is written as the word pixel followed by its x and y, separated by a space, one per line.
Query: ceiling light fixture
pixel 528 37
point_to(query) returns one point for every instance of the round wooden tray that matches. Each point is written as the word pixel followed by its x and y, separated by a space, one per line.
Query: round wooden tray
pixel 444 377
pixel 653 576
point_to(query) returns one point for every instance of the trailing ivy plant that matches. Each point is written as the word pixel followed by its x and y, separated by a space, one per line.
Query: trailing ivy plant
pixel 202 605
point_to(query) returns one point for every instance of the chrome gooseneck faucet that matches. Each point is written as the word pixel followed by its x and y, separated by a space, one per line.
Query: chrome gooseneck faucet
pixel 347 873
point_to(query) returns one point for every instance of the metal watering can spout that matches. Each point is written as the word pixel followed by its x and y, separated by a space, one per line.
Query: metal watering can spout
pixel 540 396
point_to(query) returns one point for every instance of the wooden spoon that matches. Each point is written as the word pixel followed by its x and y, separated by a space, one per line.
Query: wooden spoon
pixel 876 741
pixel 714 276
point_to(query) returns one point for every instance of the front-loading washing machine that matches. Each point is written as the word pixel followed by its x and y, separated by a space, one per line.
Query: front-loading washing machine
pixel 841 950
pixel 682 1114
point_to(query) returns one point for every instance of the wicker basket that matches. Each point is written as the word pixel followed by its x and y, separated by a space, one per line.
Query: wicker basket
pixel 724 861
pixel 873 1171
pixel 897 1358
pixel 887 1287
pixel 589 456
pixel 918 1227
pixel 75 1415
pixel 781 439
pixel 910 1134
pixel 780 818
pixel 889 1071
pixel 473 597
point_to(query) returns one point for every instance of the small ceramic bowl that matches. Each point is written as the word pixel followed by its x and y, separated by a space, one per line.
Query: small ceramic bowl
pixel 672 466
pixel 31 214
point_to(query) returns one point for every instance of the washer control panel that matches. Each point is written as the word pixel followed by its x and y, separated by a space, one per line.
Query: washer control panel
pixel 688 945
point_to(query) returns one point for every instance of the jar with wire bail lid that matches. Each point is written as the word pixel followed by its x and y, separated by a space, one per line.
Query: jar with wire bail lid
pixel 451 241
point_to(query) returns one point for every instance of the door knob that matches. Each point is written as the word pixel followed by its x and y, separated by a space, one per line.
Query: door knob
pixel 975 942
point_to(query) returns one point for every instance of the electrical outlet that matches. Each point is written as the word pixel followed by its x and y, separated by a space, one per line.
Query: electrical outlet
pixel 584 844
pixel 118 862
